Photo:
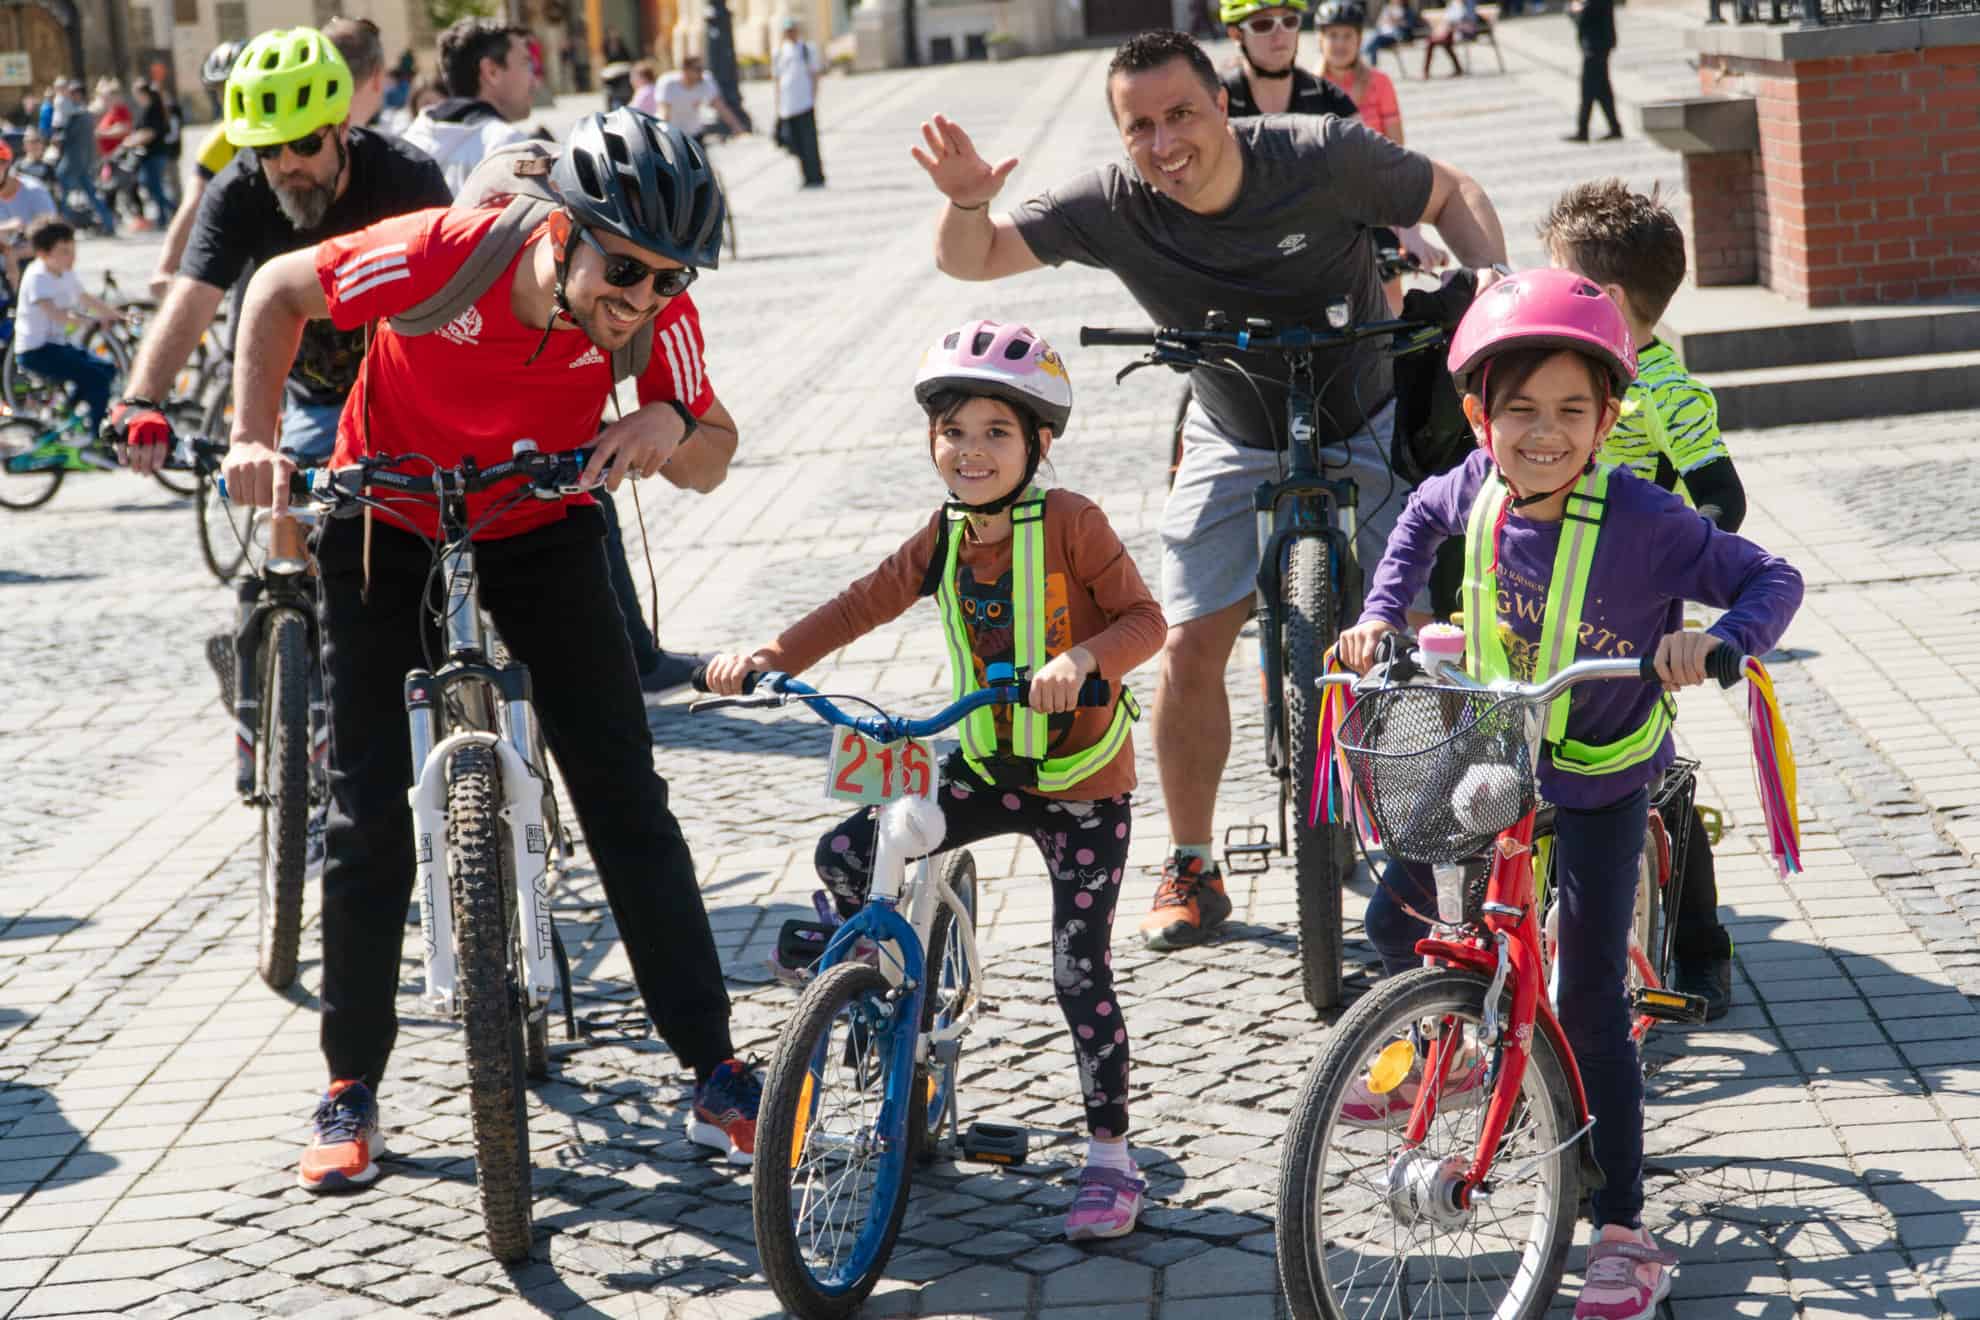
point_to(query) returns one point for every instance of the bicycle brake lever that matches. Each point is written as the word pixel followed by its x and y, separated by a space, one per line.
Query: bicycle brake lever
pixel 763 702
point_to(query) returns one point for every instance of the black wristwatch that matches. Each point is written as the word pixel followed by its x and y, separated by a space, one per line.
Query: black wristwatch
pixel 689 421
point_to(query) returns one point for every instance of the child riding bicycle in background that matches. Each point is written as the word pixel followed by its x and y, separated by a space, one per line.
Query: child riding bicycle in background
pixel 1668 433
pixel 997 396
pixel 1569 560
pixel 51 297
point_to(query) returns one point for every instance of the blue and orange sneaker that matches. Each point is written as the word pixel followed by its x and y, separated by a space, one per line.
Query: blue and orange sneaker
pixel 724 1113
pixel 343 1152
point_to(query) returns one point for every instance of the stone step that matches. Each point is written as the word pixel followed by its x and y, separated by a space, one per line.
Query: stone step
pixel 1724 330
pixel 1837 391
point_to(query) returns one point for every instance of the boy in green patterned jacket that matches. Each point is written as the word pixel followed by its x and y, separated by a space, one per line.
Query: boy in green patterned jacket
pixel 1632 246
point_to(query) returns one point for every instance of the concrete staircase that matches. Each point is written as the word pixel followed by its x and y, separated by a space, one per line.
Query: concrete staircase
pixel 1772 362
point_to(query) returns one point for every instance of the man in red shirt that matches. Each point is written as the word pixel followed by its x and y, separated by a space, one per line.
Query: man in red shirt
pixel 640 211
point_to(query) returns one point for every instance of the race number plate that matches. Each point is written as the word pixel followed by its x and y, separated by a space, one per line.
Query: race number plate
pixel 861 770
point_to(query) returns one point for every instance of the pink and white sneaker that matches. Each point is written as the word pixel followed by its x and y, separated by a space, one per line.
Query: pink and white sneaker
pixel 1627 1276
pixel 1364 1108
pixel 1106 1206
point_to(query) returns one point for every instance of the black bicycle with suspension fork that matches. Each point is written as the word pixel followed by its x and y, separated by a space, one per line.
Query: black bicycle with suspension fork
pixel 1308 582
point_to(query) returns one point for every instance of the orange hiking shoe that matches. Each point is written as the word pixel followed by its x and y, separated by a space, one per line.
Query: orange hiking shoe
pixel 1189 905
pixel 343 1151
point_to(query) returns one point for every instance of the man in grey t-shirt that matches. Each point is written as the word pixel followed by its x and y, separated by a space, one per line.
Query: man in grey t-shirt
pixel 1263 217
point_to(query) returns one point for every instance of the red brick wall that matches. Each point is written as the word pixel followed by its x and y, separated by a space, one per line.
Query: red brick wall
pixel 1866 187
pixel 1723 247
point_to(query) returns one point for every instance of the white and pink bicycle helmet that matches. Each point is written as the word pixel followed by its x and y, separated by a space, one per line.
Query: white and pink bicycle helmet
pixel 1008 362
pixel 1542 309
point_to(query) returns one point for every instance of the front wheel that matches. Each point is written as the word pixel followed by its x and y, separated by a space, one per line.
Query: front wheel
pixel 284 789
pixel 1312 621
pixel 831 1170
pixel 1367 1225
pixel 30 470
pixel 491 1002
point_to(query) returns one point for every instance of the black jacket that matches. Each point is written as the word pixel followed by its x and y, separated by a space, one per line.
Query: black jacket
pixel 1596 26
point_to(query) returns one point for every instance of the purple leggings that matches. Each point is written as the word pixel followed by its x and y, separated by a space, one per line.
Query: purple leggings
pixel 1085 846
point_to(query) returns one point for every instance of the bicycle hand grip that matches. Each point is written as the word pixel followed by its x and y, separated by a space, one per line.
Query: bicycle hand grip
pixel 1724 664
pixel 1092 336
pixel 698 680
pixel 1096 691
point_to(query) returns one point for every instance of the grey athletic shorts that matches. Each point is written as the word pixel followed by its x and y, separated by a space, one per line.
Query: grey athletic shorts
pixel 1210 542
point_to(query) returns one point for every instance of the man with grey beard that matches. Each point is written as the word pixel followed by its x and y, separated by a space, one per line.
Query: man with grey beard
pixel 304 173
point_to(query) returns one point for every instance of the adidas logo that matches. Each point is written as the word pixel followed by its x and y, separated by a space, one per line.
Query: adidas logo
pixel 589 357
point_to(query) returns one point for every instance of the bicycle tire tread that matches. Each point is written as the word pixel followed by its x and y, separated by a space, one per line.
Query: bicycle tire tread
pixel 285 780
pixel 491 1024
pixel 1311 625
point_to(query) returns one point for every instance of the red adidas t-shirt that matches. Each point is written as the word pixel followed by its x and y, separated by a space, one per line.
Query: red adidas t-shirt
pixel 469 388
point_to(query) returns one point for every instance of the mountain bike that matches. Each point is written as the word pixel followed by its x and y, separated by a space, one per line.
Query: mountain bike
pixel 483 815
pixel 865 1072
pixel 1308 583
pixel 1466 1206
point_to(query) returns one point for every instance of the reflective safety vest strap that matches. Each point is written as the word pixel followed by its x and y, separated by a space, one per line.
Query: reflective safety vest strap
pixel 1030 730
pixel 1560 625
pixel 979 727
pixel 1029 733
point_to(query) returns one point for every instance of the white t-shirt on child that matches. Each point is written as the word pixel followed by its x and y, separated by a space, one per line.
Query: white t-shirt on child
pixel 33 326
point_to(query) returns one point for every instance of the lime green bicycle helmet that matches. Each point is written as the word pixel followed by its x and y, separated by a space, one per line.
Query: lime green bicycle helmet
pixel 287 84
pixel 1236 11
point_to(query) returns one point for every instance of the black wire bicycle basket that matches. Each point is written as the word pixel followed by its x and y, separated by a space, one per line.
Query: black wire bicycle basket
pixel 1441 770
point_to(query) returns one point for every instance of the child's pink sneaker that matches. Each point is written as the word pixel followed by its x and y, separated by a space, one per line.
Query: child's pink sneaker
pixel 1106 1205
pixel 1626 1276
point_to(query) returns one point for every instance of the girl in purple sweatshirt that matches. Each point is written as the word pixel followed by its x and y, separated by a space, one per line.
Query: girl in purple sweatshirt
pixel 1543 360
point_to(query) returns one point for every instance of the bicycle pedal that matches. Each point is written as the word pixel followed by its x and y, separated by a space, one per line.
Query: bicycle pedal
pixel 800 943
pixel 1667 1005
pixel 1247 849
pixel 1715 822
pixel 994 1143
pixel 627 1027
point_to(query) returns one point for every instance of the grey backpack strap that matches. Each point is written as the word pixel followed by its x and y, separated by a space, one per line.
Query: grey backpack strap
pixel 632 360
pixel 482 268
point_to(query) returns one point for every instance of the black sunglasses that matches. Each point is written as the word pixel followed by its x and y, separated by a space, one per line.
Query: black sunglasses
pixel 305 147
pixel 627 272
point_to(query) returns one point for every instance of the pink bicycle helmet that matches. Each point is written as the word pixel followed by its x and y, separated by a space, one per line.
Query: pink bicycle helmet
pixel 1009 362
pixel 1542 309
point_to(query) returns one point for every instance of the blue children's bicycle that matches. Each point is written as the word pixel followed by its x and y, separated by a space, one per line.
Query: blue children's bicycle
pixel 864 1074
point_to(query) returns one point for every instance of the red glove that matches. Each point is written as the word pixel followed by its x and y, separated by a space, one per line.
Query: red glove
pixel 137 422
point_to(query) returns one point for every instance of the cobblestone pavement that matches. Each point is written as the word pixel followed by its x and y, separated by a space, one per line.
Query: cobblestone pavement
pixel 1811 1155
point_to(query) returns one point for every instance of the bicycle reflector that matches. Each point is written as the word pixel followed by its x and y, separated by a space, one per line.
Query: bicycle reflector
pixel 1391 1067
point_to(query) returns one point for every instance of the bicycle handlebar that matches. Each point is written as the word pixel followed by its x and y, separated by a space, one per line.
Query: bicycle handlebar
pixel 1724 663
pixel 554 475
pixel 882 728
pixel 1260 337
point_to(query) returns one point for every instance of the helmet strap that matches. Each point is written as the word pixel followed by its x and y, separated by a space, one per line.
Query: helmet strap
pixel 1258 70
pixel 561 229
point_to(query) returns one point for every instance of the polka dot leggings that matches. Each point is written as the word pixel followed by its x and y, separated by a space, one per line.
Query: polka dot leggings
pixel 1085 846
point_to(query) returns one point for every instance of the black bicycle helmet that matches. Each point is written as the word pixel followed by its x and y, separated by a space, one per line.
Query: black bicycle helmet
pixel 1341 13
pixel 219 63
pixel 627 173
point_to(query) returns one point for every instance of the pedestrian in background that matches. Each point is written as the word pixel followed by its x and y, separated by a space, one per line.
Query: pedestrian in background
pixel 795 71
pixel 1595 27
